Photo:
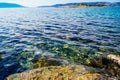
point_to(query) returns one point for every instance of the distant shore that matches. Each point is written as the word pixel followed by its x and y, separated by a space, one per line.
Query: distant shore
pixel 83 5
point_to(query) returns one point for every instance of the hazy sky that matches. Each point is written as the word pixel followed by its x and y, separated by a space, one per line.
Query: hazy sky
pixel 33 3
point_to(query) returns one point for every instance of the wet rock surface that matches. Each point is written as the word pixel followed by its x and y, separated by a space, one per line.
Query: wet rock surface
pixel 101 67
pixel 114 58
pixel 108 63
pixel 71 72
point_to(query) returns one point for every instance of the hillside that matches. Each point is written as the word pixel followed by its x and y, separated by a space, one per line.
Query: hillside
pixel 10 5
pixel 85 4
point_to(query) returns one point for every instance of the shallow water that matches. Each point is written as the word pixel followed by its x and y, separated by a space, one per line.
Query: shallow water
pixel 27 32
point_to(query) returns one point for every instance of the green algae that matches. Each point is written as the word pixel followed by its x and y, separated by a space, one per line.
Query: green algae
pixel 76 54
pixel 25 59
pixel 73 54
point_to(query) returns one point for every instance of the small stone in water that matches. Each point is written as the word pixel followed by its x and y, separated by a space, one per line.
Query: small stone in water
pixel 65 46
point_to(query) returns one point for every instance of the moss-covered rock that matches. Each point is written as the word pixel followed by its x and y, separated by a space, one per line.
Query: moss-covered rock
pixel 43 62
pixel 58 73
pixel 109 63
pixel 105 66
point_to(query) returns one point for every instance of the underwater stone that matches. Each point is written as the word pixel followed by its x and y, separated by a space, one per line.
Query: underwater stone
pixel 43 62
pixel 65 46
pixel 0 55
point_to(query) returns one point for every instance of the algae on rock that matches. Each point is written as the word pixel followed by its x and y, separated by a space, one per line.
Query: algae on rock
pixel 105 69
pixel 109 63
pixel 43 62
pixel 58 73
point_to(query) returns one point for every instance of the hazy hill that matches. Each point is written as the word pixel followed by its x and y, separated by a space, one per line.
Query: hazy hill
pixel 85 4
pixel 9 5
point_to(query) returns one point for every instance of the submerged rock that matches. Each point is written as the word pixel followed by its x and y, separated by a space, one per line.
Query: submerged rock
pixel 43 62
pixel 0 56
pixel 58 73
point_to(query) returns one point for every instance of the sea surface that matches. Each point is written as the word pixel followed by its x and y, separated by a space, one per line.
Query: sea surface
pixel 73 34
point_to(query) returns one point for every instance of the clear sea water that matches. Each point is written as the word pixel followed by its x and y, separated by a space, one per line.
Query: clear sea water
pixel 28 32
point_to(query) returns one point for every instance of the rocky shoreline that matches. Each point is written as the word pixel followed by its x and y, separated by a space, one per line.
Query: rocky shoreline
pixel 101 67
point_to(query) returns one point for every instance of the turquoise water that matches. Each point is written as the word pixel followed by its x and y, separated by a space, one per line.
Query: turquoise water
pixel 66 33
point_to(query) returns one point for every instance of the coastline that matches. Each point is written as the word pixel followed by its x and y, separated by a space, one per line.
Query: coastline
pixel 47 69
pixel 82 7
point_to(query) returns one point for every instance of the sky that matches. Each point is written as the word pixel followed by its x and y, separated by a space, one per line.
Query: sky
pixel 34 3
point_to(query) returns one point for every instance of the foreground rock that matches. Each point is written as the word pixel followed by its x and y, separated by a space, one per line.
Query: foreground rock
pixel 114 58
pixel 109 63
pixel 60 73
pixel 106 67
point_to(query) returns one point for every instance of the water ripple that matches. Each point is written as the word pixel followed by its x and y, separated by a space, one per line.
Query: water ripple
pixel 39 30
